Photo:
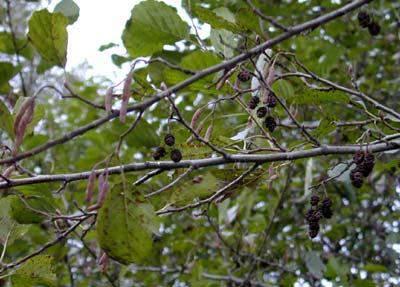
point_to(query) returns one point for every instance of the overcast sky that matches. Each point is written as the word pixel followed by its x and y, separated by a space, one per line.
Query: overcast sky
pixel 100 22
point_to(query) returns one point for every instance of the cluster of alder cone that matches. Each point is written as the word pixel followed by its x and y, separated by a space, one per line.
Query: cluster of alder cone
pixel 365 21
pixel 365 162
pixel 317 211
pixel 268 103
pixel 160 151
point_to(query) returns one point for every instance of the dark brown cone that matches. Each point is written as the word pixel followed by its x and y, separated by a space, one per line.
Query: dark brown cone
pixel 176 155
pixel 271 101
pixel 159 153
pixel 270 123
pixel 314 200
pixel 374 28
pixel 358 157
pixel 169 139
pixel 261 112
pixel 364 19
pixel 244 76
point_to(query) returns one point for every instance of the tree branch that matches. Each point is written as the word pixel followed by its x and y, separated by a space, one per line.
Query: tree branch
pixel 206 162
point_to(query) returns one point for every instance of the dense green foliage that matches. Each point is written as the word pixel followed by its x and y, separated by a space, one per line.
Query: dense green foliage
pixel 253 234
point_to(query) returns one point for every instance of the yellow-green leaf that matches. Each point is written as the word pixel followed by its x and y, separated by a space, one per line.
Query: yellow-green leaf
pixel 48 34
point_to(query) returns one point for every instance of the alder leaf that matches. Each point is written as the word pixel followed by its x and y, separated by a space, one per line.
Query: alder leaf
pixel 37 271
pixel 314 264
pixel 152 25
pixel 215 20
pixel 125 225
pixel 48 34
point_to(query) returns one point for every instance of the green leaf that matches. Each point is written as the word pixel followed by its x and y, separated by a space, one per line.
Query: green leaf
pixel 125 225
pixel 152 25
pixel 314 264
pixel 7 72
pixel 375 268
pixel 199 60
pixel 7 46
pixel 317 97
pixel 185 192
pixel 283 88
pixel 363 283
pixel 10 230
pixel 38 271
pixel 326 126
pixel 223 40
pixel 247 20
pixel 107 46
pixel 336 268
pixel 215 21
pixel 340 169
pixel 48 34
pixel 69 9
pixel 119 60
pixel 32 201
pixel 6 120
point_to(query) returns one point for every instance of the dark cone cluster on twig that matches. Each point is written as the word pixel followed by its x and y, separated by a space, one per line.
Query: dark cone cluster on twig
pixel 160 152
pixel 317 211
pixel 365 162
pixel 262 111
pixel 365 21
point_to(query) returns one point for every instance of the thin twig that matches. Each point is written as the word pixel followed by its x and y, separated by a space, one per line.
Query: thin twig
pixel 171 184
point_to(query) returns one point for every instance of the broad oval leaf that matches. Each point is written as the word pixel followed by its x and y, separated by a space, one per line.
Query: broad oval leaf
pixel 48 34
pixel 125 225
pixel 152 25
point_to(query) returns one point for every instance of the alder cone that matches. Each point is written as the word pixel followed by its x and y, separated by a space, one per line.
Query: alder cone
pixel 176 155
pixel 374 28
pixel 313 232
pixel 325 208
pixel 314 200
pixel 159 153
pixel 358 157
pixel 270 123
pixel 357 178
pixel 252 104
pixel 244 76
pixel 326 212
pixel 261 112
pixel 271 101
pixel 169 139
pixel 364 19
pixel 327 202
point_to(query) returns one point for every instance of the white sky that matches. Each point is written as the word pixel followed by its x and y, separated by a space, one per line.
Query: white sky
pixel 101 22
